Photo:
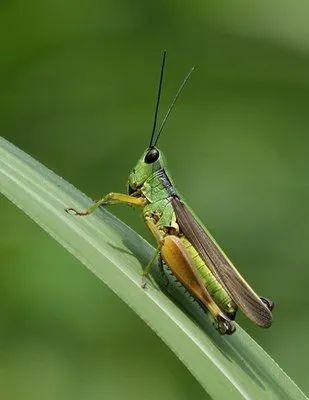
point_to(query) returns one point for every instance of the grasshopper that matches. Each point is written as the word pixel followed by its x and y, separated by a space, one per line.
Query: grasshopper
pixel 184 245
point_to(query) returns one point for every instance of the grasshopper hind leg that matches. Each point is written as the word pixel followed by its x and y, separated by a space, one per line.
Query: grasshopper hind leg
pixel 224 325
pixel 269 303
pixel 182 266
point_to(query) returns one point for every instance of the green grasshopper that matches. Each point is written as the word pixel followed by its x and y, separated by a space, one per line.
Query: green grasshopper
pixel 183 243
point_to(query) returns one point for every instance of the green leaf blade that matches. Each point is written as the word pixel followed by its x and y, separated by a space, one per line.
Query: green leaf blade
pixel 232 367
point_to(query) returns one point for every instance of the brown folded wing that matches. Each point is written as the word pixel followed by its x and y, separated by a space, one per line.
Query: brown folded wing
pixel 246 299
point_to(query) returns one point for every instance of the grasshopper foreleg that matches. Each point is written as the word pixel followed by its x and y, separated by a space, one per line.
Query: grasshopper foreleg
pixel 110 198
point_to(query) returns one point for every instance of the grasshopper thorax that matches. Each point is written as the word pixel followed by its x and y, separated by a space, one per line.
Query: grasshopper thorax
pixel 151 161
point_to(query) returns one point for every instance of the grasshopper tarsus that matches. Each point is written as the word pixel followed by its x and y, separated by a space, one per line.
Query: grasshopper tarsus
pixel 225 326
pixel 144 281
pixel 72 211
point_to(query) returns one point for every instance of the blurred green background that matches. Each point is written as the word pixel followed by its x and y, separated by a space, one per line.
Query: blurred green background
pixel 78 82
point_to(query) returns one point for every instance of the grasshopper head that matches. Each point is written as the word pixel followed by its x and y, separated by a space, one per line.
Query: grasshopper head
pixel 150 162
pixel 152 159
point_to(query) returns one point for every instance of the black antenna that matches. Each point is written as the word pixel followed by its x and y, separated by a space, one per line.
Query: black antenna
pixel 151 144
pixel 173 103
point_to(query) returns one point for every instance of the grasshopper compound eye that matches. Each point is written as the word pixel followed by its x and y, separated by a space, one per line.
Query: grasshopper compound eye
pixel 152 155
